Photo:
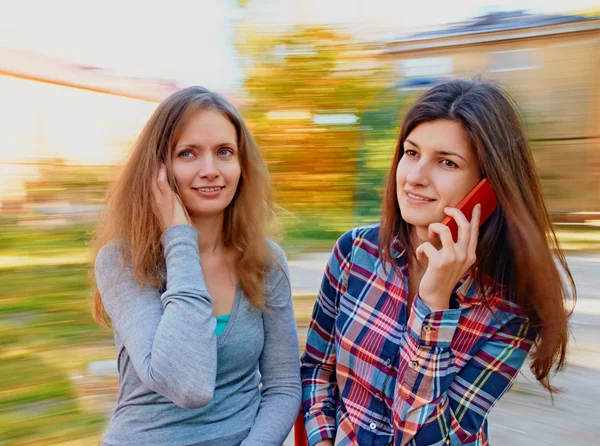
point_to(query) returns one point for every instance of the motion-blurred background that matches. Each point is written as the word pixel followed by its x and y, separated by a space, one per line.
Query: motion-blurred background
pixel 323 86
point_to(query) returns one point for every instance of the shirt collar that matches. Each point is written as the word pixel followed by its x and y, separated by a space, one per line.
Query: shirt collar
pixel 397 250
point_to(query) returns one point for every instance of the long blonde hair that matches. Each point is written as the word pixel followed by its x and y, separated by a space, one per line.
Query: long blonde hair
pixel 128 216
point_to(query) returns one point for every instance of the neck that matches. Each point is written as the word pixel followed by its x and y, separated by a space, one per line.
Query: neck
pixel 418 236
pixel 210 233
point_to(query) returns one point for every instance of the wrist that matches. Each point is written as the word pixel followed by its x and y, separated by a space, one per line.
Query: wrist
pixel 436 301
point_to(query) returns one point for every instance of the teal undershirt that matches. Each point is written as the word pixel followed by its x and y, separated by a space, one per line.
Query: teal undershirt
pixel 221 323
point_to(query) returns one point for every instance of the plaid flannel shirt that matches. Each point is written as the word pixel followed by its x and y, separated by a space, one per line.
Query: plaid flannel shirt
pixel 374 375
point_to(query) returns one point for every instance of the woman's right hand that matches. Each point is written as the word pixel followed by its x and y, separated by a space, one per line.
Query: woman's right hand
pixel 168 207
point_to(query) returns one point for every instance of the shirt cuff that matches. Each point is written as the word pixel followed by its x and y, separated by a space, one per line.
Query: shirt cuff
pixel 177 231
pixel 433 328
pixel 319 427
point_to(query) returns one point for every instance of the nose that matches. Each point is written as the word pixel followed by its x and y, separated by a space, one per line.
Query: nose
pixel 208 167
pixel 418 175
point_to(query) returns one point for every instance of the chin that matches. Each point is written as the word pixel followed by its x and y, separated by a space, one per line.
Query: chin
pixel 417 220
pixel 205 212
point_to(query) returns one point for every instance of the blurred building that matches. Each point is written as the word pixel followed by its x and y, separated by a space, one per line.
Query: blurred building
pixel 550 64
pixel 56 113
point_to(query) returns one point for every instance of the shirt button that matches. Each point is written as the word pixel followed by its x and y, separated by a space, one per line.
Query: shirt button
pixel 427 328
pixel 388 362
pixel 378 395
pixel 414 364
pixel 373 426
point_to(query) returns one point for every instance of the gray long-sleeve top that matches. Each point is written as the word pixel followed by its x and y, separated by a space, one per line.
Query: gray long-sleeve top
pixel 180 384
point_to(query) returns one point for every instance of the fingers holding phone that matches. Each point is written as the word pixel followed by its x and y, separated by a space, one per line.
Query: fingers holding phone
pixel 468 232
pixel 447 265
pixel 168 206
pixel 482 194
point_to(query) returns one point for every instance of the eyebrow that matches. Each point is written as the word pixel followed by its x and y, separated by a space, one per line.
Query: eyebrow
pixel 441 152
pixel 196 146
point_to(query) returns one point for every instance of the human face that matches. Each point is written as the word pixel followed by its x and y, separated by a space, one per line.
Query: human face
pixel 438 169
pixel 206 164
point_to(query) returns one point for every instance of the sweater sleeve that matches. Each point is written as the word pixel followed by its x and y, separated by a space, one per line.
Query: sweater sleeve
pixel 170 338
pixel 279 361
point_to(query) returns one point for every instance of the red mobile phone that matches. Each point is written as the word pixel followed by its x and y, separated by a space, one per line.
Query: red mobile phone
pixel 482 193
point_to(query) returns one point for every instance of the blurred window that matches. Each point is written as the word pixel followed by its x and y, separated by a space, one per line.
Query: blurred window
pixel 426 67
pixel 513 60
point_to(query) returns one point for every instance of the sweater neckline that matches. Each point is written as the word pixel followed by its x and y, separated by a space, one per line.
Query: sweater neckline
pixel 232 317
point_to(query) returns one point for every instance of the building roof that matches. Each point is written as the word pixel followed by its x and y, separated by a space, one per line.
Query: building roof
pixel 38 67
pixel 495 22
pixel 41 68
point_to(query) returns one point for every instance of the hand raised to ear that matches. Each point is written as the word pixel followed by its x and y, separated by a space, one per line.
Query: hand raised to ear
pixel 446 266
pixel 167 204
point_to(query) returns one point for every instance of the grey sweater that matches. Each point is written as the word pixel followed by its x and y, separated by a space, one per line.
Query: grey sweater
pixel 180 384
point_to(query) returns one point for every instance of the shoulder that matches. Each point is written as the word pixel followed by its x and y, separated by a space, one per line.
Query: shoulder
pixel 113 273
pixel 277 270
pixel 360 236
pixel 109 257
pixel 277 280
pixel 277 253
pixel 358 245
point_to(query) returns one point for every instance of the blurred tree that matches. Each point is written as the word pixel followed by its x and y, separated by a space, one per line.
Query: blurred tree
pixel 308 90
pixel 58 181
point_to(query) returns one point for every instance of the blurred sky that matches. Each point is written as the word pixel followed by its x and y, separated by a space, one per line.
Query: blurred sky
pixel 192 41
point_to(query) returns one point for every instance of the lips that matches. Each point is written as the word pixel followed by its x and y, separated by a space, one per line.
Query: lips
pixel 418 197
pixel 209 189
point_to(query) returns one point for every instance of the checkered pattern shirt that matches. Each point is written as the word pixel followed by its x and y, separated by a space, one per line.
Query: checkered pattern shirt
pixel 376 374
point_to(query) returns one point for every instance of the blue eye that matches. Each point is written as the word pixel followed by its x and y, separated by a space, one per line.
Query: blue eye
pixel 185 154
pixel 225 152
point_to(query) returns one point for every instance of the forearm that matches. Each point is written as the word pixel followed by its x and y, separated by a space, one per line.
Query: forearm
pixel 170 338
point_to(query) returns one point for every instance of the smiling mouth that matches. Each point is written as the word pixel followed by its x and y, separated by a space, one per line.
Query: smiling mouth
pixel 209 189
pixel 414 197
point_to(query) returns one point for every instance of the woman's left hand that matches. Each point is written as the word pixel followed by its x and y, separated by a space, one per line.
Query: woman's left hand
pixel 446 266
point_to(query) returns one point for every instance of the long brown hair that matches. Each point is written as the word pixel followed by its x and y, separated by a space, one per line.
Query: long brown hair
pixel 517 244
pixel 128 217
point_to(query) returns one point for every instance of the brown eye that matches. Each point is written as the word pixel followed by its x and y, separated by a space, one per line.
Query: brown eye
pixel 449 163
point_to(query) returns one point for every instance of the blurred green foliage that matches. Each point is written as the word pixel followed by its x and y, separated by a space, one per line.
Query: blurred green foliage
pixel 44 316
pixel 59 181
pixel 39 403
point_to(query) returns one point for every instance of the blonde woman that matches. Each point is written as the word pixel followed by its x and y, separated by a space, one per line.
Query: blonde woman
pixel 199 299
